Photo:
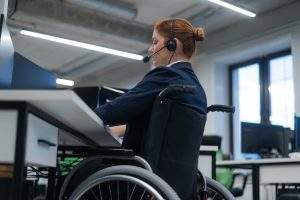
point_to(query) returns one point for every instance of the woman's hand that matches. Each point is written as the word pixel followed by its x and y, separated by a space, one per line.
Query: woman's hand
pixel 116 130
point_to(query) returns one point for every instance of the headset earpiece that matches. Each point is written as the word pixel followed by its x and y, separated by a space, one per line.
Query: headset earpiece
pixel 171 44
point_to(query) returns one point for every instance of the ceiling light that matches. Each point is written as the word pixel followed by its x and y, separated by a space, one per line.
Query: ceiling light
pixel 82 45
pixel 233 7
pixel 65 82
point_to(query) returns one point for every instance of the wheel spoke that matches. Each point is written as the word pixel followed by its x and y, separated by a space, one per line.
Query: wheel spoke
pixel 100 193
pixel 110 191
pixel 214 196
pixel 132 191
pixel 127 192
pixel 118 187
pixel 118 192
pixel 94 194
pixel 143 194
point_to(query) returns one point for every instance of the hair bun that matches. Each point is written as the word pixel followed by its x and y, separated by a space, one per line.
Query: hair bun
pixel 199 33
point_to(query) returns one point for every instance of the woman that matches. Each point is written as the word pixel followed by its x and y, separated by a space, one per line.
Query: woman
pixel 173 45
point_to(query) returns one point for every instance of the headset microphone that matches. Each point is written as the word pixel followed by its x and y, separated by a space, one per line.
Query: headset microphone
pixel 147 58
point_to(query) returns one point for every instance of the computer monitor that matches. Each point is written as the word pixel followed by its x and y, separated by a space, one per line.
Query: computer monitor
pixel 90 95
pixel 28 75
pixel 264 140
pixel 94 96
pixel 108 93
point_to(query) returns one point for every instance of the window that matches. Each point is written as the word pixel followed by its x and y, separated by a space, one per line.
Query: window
pixel 248 91
pixel 262 92
pixel 281 87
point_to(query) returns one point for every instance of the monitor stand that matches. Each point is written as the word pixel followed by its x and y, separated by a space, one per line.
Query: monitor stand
pixel 267 153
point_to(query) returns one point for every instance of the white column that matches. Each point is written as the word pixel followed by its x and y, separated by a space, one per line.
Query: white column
pixel 3 7
pixel 204 69
pixel 296 67
pixel 6 49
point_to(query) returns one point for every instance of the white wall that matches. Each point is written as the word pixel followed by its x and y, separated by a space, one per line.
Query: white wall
pixel 205 73
pixel 214 78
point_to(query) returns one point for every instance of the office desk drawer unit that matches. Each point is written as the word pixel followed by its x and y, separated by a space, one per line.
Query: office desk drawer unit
pixel 279 174
pixel 41 140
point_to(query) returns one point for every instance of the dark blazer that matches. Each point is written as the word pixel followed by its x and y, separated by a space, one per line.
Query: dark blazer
pixel 134 107
pixel 138 101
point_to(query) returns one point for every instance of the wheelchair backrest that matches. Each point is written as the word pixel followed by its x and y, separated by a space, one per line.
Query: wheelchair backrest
pixel 172 143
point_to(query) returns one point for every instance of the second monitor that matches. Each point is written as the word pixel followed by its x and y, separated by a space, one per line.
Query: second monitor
pixel 265 140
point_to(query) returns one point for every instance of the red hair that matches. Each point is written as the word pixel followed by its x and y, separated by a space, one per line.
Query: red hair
pixel 183 31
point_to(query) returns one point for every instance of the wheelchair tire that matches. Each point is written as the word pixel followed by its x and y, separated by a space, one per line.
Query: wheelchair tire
pixel 217 191
pixel 135 174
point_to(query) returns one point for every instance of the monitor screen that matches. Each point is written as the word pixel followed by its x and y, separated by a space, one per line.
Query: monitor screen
pixel 95 96
pixel 108 93
pixel 90 95
pixel 28 75
pixel 265 140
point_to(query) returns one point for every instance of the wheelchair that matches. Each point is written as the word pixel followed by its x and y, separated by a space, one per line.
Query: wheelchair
pixel 117 174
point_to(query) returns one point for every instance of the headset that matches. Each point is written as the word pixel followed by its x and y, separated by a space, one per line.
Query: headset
pixel 171 45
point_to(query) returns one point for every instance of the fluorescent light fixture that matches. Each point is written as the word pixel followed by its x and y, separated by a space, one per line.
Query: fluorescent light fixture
pixel 65 82
pixel 233 7
pixel 82 45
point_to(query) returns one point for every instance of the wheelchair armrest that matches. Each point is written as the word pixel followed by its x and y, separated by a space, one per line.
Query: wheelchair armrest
pixel 221 108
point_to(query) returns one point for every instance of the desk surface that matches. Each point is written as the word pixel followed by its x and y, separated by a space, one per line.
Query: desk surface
pixel 208 148
pixel 228 163
pixel 67 107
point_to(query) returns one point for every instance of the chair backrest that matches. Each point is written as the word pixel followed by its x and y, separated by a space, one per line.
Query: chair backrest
pixel 212 140
pixel 172 143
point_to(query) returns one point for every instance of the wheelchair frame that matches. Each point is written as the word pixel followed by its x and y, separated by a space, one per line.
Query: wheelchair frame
pixel 127 156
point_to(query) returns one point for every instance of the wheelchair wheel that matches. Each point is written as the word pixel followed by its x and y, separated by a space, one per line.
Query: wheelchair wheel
pixel 123 182
pixel 216 191
pixel 66 184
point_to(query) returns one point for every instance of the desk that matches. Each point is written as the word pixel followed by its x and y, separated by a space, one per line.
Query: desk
pixel 23 113
pixel 267 171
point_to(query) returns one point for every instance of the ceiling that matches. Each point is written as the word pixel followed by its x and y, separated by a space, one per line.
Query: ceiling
pixel 119 24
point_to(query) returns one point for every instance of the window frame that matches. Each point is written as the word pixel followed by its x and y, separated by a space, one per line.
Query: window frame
pixel 264 80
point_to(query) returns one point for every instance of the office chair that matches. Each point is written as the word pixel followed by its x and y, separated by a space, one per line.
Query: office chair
pixel 212 140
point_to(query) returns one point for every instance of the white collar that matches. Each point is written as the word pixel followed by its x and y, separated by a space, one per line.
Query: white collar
pixel 169 65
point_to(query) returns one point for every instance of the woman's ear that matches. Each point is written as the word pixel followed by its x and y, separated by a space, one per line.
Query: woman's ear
pixel 178 44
